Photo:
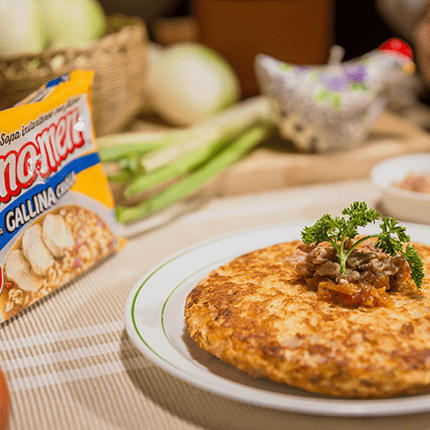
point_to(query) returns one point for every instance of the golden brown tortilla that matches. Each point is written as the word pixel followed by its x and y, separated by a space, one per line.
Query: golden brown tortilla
pixel 256 314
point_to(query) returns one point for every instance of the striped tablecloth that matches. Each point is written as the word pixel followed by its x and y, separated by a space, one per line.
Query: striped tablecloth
pixel 71 365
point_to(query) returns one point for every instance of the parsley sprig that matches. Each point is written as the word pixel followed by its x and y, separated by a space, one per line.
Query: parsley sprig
pixel 390 240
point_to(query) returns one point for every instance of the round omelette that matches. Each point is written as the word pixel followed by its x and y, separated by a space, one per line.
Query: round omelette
pixel 257 314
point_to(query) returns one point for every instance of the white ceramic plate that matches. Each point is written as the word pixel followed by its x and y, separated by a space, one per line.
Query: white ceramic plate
pixel 155 323
pixel 403 204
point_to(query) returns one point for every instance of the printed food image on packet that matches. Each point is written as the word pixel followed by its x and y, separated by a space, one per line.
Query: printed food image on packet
pixel 56 209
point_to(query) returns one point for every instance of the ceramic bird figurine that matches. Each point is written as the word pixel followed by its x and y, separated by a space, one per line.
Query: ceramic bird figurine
pixel 332 107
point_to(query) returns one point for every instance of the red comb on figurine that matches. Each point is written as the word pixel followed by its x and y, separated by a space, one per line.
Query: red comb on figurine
pixel 397 46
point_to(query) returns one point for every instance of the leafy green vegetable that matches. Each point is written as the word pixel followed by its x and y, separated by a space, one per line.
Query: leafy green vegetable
pixel 390 240
pixel 153 171
pixel 217 163
pixel 115 147
pixel 180 165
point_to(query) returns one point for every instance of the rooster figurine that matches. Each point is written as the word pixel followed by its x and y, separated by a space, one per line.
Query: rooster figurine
pixel 332 107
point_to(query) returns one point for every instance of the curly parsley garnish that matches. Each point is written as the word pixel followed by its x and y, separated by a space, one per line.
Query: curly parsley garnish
pixel 336 230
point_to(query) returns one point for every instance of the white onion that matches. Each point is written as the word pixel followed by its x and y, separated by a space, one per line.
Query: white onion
pixel 72 22
pixel 21 28
pixel 188 82
pixel 28 26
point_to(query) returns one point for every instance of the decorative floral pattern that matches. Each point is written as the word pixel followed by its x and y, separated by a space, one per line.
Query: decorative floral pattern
pixel 332 107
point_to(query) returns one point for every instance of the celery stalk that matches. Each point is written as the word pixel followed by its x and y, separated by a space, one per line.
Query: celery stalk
pixel 190 156
pixel 179 166
pixel 196 179
pixel 163 157
pixel 117 146
pixel 228 121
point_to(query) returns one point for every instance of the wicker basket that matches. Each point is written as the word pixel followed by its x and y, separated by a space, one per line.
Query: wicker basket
pixel 119 61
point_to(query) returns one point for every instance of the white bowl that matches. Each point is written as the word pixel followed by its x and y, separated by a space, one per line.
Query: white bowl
pixel 405 205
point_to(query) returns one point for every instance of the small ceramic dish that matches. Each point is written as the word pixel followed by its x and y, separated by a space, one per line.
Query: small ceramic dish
pixel 411 206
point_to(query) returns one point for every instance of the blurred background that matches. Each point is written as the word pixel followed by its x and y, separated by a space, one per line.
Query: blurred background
pixel 297 31
pixel 314 25
pixel 359 27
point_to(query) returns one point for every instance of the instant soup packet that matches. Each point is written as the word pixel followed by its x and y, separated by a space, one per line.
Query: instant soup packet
pixel 56 209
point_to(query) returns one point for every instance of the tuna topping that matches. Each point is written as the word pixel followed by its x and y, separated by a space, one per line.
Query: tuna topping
pixel 369 273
